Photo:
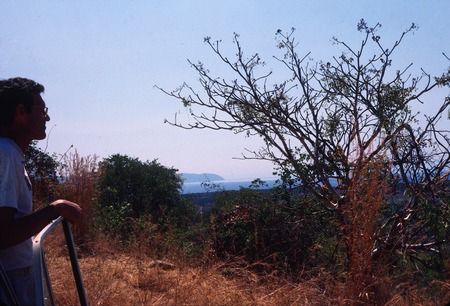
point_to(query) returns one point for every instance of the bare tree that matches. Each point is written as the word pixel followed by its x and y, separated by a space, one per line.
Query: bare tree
pixel 332 122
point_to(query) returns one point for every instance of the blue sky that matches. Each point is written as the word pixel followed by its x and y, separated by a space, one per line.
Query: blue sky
pixel 100 60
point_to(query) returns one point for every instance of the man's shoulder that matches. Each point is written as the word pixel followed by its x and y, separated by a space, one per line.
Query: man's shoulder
pixel 9 150
pixel 7 144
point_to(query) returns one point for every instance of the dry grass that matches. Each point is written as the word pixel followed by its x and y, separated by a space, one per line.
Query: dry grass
pixel 128 277
pixel 79 174
pixel 367 193
pixel 127 280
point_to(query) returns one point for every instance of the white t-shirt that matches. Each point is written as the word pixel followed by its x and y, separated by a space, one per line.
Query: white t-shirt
pixel 15 191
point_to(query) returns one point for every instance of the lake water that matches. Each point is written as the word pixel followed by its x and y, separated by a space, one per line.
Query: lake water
pixel 198 187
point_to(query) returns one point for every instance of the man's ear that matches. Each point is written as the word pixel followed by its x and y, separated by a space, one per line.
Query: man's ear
pixel 20 108
pixel 20 113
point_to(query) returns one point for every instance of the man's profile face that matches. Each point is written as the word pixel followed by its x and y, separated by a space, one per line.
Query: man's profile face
pixel 37 119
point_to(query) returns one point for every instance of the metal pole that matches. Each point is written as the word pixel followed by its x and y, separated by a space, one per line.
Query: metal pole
pixel 74 262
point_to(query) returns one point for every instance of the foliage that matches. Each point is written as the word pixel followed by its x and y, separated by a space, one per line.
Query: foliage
pixel 262 227
pixel 133 188
pixel 42 171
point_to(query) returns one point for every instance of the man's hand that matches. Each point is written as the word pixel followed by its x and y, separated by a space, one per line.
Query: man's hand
pixel 69 210
pixel 15 230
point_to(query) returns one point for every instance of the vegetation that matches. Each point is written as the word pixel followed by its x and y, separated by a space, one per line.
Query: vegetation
pixel 348 121
pixel 360 215
pixel 255 248
pixel 131 189
pixel 42 171
pixel 273 234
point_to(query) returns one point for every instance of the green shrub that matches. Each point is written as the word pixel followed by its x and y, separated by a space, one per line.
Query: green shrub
pixel 262 226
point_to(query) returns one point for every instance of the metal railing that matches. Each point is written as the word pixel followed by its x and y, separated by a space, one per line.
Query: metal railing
pixel 44 291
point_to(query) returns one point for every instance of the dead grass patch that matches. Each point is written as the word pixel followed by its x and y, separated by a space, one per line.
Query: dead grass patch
pixel 121 278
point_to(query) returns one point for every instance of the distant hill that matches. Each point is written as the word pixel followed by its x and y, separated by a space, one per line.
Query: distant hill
pixel 202 177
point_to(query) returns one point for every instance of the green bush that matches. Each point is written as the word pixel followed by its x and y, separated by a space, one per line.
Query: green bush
pixel 284 232
pixel 149 188
pixel 115 221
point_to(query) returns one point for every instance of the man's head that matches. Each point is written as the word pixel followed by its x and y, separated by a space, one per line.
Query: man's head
pixel 23 113
pixel 16 91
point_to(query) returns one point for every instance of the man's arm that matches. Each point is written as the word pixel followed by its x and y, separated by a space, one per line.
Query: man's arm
pixel 14 231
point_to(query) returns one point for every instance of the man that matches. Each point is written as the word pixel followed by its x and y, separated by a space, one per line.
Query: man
pixel 23 116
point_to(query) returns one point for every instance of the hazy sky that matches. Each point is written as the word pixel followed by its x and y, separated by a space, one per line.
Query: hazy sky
pixel 100 60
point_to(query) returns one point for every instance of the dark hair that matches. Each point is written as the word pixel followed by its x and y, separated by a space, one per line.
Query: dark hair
pixel 13 92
